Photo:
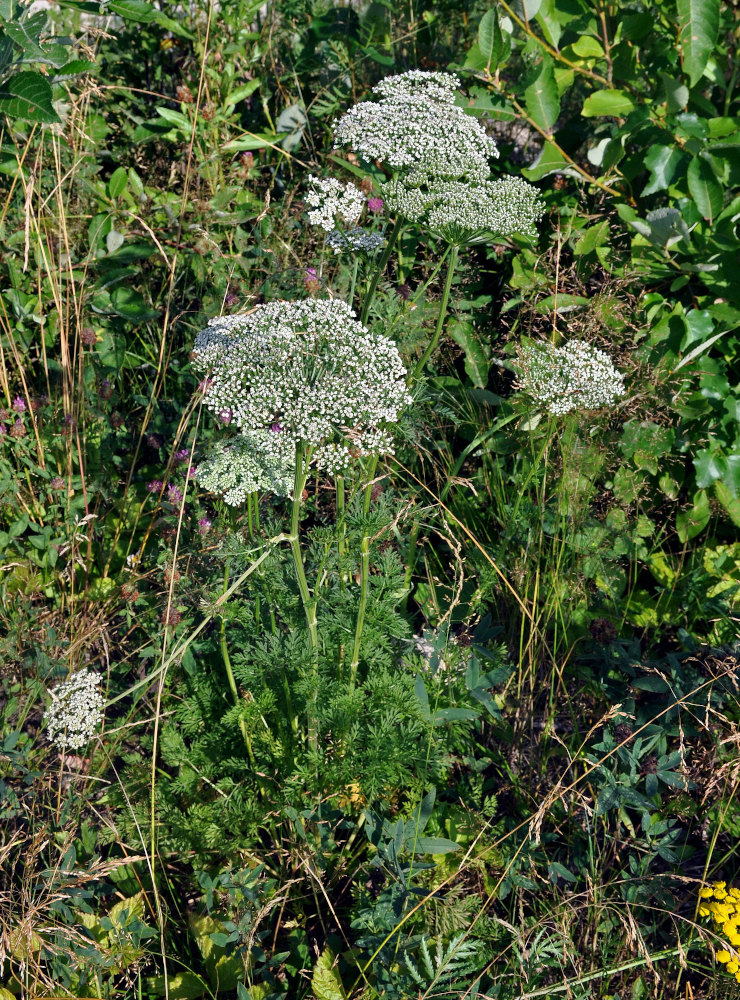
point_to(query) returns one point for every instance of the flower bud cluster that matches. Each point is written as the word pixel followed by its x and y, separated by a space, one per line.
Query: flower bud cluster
pixel 575 376
pixel 355 240
pixel 329 200
pixel 417 127
pixel 310 369
pixel 723 905
pixel 75 712
pixel 260 461
pixel 467 212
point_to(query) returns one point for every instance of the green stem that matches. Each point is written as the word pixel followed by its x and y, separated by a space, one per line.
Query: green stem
pixel 381 267
pixel 442 313
pixel 342 544
pixel 411 557
pixel 364 578
pixel 230 674
pixel 354 280
pixel 309 603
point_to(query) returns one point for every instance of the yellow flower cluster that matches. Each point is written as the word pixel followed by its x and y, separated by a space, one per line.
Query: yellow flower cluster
pixel 723 906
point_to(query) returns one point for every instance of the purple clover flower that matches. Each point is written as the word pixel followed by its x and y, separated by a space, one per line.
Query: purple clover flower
pixel 375 204
pixel 57 483
pixel 156 486
pixel 174 494
pixel 204 525
pixel 19 404
pixel 181 455
pixel 225 417
pixel 276 428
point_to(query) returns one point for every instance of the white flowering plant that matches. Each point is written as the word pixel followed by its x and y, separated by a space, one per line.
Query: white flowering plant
pixel 575 376
pixel 75 712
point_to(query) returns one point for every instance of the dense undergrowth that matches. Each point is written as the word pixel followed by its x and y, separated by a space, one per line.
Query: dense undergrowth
pixel 403 646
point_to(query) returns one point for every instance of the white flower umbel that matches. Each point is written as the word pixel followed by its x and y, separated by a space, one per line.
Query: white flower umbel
pixel 418 129
pixel 310 369
pixel 75 712
pixel 355 240
pixel 575 376
pixel 330 202
pixel 463 212
pixel 261 461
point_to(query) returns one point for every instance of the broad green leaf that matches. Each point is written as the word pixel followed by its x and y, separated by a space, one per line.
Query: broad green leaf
pixel 492 42
pixel 420 692
pixel 592 238
pixel 704 188
pixel 325 981
pixel 676 94
pixel 541 97
pixel 175 118
pixel 435 845
pixel 699 24
pixel 241 93
pixel 25 40
pixel 550 161
pixel 249 142
pixel 730 503
pixel 134 10
pixel 129 304
pixel 609 103
pixel 118 181
pixel 663 163
pixel 588 47
pixel 526 9
pixel 691 522
pixel 709 466
pixel 476 358
pixel 28 95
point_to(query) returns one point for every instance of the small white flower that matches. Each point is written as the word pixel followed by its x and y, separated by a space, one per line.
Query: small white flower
pixel 575 376
pixel 310 369
pixel 331 201
pixel 75 712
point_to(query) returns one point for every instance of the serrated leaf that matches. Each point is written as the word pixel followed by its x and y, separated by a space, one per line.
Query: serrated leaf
pixel 325 981
pixel 541 97
pixel 607 103
pixel 704 188
pixel 28 95
pixel 699 22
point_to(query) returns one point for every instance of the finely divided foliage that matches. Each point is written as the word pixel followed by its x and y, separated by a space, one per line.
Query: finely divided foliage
pixel 308 371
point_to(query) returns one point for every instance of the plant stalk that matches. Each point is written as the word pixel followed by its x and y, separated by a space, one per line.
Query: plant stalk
pixel 309 602
pixel 381 267
pixel 442 313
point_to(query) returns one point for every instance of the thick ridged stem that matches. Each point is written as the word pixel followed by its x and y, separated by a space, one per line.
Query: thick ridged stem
pixel 364 579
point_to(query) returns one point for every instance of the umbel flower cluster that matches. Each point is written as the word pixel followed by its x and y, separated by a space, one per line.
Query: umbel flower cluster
pixel 305 372
pixel 575 376
pixel 723 905
pixel 355 240
pixel 260 461
pixel 331 202
pixel 417 128
pixel 75 712
pixel 463 212
pixel 440 157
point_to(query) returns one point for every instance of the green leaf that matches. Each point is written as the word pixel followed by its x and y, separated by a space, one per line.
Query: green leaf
pixel 526 9
pixel 435 845
pixel 704 188
pixel 118 182
pixel 134 10
pixel 699 23
pixel 541 97
pixel 28 95
pixel 588 47
pixel 612 103
pixel 663 163
pixel 325 981
pixel 129 304
pixel 592 238
pixel 491 41
pixel 476 358
pixel 421 695
pixel 550 161
pixel 691 522
pixel 730 503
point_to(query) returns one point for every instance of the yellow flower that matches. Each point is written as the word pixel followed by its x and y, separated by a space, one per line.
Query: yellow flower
pixel 734 939
pixel 705 893
pixel 737 976
pixel 704 911
pixel 735 893
pixel 723 956
pixel 720 894
pixel 733 966
pixel 719 885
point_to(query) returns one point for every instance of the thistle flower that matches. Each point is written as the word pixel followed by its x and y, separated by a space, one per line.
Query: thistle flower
pixel 310 367
pixel 576 376
pixel 416 127
pixel 330 200
pixel 260 461
pixel 356 240
pixel 466 212
pixel 75 711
